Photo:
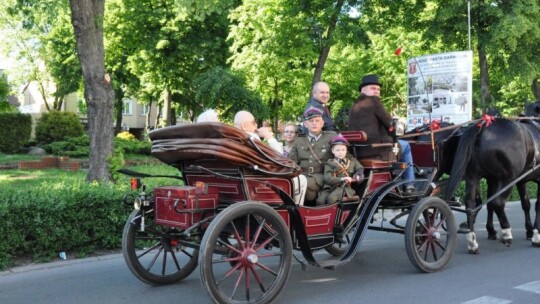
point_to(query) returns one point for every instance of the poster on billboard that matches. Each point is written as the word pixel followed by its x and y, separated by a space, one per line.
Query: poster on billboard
pixel 439 88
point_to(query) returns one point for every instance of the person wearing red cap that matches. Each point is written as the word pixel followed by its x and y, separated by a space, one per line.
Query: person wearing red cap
pixel 368 114
pixel 312 151
pixel 339 173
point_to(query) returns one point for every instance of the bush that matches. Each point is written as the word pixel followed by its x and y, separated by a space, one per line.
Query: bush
pixel 16 131
pixel 79 147
pixel 126 135
pixel 56 126
pixel 63 213
pixel 71 217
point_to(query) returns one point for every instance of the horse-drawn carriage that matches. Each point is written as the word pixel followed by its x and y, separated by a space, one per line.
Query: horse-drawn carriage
pixel 234 215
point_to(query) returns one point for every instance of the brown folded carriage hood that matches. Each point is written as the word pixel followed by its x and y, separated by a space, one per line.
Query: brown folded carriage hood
pixel 213 140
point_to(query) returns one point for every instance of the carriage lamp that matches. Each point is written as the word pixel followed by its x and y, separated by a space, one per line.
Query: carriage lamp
pixel 137 203
pixel 135 183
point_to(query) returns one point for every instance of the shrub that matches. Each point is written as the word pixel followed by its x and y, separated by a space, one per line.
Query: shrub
pixel 126 135
pixel 56 126
pixel 72 147
pixel 71 217
pixel 16 131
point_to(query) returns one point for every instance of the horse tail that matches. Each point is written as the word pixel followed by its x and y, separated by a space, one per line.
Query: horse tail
pixel 462 158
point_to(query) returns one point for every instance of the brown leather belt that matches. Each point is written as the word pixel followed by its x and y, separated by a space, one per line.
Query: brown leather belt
pixel 310 170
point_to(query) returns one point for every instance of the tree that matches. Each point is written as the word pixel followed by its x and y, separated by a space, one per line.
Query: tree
pixel 87 19
pixel 226 92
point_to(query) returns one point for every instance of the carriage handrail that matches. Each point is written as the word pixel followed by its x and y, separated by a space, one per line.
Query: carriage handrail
pixel 441 129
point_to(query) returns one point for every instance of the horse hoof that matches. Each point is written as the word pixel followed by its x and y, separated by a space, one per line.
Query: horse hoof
pixel 535 244
pixel 507 243
pixel 492 237
pixel 529 235
pixel 475 251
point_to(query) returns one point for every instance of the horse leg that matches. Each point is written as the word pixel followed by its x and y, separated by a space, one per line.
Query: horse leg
pixel 536 237
pixel 526 206
pixel 498 207
pixel 492 233
pixel 472 187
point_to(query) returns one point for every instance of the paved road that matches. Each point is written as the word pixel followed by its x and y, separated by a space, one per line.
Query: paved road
pixel 379 273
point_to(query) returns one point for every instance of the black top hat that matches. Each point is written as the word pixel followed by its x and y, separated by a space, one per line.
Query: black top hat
pixel 369 79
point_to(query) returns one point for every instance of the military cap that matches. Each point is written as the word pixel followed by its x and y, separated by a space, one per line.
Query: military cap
pixel 339 140
pixel 312 112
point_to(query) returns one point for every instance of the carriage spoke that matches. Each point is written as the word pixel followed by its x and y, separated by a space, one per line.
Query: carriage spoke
pixel 148 250
pixel 258 232
pixel 258 279
pixel 237 237
pixel 154 259
pixel 247 232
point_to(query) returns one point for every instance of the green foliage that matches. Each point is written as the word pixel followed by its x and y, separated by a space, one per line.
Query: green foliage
pixel 16 131
pixel 133 146
pixel 115 162
pixel 72 216
pixel 79 147
pixel 76 147
pixel 4 93
pixel 223 90
pixel 56 126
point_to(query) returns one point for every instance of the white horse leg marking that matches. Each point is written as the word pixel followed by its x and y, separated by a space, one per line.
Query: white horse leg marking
pixel 506 236
pixel 536 238
pixel 472 245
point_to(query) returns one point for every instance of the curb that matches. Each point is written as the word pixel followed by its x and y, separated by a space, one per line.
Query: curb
pixel 58 264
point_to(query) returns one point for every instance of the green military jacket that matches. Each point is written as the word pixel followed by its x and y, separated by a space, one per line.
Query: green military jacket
pixel 302 155
pixel 333 172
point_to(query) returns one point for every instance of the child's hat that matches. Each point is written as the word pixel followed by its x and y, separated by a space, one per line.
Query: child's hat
pixel 339 140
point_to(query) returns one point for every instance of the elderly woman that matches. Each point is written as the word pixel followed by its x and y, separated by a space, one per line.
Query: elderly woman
pixel 288 135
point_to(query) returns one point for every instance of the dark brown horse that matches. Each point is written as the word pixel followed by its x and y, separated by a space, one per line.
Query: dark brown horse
pixel 500 151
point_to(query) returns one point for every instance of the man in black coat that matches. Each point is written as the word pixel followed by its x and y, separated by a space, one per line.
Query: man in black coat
pixel 368 115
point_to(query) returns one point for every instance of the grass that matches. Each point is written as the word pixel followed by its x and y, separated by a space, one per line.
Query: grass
pixel 12 178
pixel 15 158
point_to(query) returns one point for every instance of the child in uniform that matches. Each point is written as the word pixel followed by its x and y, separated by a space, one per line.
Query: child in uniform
pixel 339 172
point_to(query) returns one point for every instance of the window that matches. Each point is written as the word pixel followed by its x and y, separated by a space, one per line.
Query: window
pixel 127 108
pixel 144 109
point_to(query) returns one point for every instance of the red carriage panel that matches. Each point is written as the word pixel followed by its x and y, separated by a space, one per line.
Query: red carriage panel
pixel 259 191
pixel 423 154
pixel 228 189
pixel 183 206
pixel 319 220
pixel 377 179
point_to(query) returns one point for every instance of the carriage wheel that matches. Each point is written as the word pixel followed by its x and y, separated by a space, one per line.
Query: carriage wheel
pixel 246 254
pixel 154 255
pixel 430 234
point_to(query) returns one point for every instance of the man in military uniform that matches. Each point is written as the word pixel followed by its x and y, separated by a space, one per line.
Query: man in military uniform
pixel 312 152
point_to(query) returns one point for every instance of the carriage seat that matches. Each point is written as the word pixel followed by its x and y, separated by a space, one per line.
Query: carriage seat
pixel 356 137
pixel 352 199
pixel 374 163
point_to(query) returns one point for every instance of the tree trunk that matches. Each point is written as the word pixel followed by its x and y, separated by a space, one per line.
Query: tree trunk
pixel 167 97
pixel 87 19
pixel 119 96
pixel 327 43
pixel 148 115
pixel 536 89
